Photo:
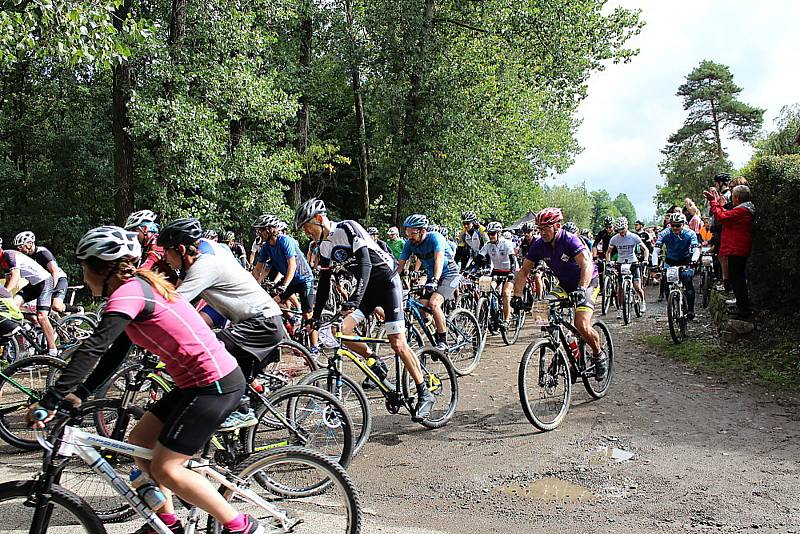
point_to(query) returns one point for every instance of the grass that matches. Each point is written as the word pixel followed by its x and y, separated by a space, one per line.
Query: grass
pixel 770 361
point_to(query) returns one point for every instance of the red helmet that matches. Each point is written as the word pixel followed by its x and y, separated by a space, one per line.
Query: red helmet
pixel 549 216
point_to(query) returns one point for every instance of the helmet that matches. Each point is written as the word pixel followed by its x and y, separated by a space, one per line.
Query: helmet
pixel 469 216
pixel 677 218
pixel 393 231
pixel 571 227
pixel 265 220
pixel 638 221
pixel 180 232
pixel 608 220
pixel 507 235
pixel 722 177
pixel 620 224
pixel 494 226
pixel 372 230
pixel 416 221
pixel 549 216
pixel 210 234
pixel 23 238
pixel 139 218
pixel 586 232
pixel 229 236
pixel 444 231
pixel 108 243
pixel 308 210
pixel 526 227
pixel 281 225
pixel 434 228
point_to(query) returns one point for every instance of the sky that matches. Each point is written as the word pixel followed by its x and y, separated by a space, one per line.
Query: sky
pixel 631 109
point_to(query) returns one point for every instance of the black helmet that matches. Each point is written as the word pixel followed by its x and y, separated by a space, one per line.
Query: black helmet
pixel 229 236
pixel 526 227
pixel 608 220
pixel 722 177
pixel 180 232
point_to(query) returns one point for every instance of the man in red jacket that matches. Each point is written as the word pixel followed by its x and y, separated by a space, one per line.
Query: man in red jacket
pixel 737 239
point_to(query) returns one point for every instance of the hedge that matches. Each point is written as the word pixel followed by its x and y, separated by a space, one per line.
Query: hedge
pixel 774 273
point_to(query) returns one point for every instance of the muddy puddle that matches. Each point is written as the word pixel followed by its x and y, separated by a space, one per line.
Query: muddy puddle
pixel 549 489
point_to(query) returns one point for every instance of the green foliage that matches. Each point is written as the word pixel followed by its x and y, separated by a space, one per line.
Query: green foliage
pixel 625 207
pixel 783 140
pixel 602 207
pixel 575 202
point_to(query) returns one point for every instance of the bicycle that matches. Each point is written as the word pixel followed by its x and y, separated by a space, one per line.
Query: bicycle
pixel 677 307
pixel 631 301
pixel 490 310
pixel 550 365
pixel 706 276
pixel 439 373
pixel 608 288
pixel 260 486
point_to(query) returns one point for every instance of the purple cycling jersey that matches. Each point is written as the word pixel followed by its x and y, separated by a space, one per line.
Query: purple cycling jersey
pixel 559 255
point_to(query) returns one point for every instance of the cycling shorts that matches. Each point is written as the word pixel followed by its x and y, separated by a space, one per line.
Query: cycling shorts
pixel 388 294
pixel 60 291
pixel 192 415
pixel 42 292
pixel 636 271
pixel 591 294
pixel 448 285
pixel 305 293
pixel 254 341
pixel 8 327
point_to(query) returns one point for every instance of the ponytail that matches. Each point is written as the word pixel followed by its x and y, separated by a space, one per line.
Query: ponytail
pixel 125 269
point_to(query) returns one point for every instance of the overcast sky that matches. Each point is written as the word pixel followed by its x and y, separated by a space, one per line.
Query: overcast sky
pixel 632 109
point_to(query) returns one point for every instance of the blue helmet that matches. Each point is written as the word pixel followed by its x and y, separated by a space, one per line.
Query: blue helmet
pixel 416 221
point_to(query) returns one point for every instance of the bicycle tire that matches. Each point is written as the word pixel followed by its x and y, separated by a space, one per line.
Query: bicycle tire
pixel 259 469
pixel 607 292
pixel 483 316
pixel 531 378
pixel 12 514
pixel 705 287
pixel 626 302
pixel 337 446
pixel 463 329
pixel 673 317
pixel 14 402
pixel 438 372
pixel 10 352
pixel 295 362
pixel 598 389
pixel 355 402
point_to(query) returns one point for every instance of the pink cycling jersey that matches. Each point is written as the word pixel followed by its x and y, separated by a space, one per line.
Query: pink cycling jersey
pixel 176 333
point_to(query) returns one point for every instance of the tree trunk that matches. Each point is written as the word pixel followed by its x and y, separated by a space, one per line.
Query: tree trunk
pixel 358 101
pixel 123 144
pixel 717 135
pixel 177 21
pixel 236 131
pixel 303 113
pixel 413 107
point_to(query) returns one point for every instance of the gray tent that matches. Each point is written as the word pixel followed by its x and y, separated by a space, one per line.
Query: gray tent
pixel 528 217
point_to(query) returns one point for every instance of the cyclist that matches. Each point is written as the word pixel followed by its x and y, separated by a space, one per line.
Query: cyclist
pixel 442 278
pixel 211 235
pixel 237 249
pixel 17 267
pixel 143 308
pixel 681 249
pixel 624 243
pixel 642 233
pixel 377 284
pixel 528 238
pixel 586 236
pixel 499 252
pixel 470 240
pixel 255 327
pixel 395 242
pixel 25 242
pixel 375 235
pixel 10 317
pixel 143 222
pixel 602 238
pixel 450 243
pixel 569 260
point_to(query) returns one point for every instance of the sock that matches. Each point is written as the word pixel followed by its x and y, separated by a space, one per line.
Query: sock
pixel 52 352
pixel 421 388
pixel 168 519
pixel 238 523
pixel 441 337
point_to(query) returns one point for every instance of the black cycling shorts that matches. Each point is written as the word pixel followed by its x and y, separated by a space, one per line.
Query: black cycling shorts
pixel 60 291
pixel 192 415
pixel 305 293
pixel 254 340
pixel 388 294
pixel 42 292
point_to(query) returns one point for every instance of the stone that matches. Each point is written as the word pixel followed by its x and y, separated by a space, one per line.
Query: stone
pixel 740 327
pixel 728 336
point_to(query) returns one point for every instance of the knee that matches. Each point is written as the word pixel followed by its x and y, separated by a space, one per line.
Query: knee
pixel 41 316
pixel 164 472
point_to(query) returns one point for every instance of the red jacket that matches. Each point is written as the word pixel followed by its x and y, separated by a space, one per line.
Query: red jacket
pixel 737 228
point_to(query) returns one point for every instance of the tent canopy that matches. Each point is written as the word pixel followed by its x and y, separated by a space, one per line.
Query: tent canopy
pixel 528 217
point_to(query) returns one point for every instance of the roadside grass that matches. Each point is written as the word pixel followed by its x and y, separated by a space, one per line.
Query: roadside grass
pixel 772 362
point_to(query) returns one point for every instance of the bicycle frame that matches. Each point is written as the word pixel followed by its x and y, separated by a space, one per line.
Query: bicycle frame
pixel 75 441
pixel 555 332
pixel 415 307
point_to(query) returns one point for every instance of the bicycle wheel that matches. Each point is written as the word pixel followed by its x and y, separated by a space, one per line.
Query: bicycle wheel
pixel 545 387
pixel 68 513
pixel 483 316
pixel 464 341
pixel 295 362
pixel 705 287
pixel 626 301
pixel 637 304
pixel 21 384
pixel 608 295
pixel 318 420
pixel 442 380
pixel 353 399
pixel 275 476
pixel 674 317
pixel 73 329
pixel 598 389
pixel 9 353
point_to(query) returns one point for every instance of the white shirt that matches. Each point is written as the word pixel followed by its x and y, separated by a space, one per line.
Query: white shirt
pixel 499 253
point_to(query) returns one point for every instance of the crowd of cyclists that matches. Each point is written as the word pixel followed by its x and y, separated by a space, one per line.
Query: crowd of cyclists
pixel 214 311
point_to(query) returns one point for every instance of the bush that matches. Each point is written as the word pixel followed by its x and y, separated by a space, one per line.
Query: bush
pixel 775 270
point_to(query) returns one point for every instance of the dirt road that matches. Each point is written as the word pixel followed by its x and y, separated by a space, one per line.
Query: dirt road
pixel 708 455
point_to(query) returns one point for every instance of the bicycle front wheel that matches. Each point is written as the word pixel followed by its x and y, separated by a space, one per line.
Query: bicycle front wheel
pixel 545 386
pixel 23 383
pixel 674 317
pixel 275 475
pixel 627 289
pixel 67 512
pixel 442 380
pixel 464 341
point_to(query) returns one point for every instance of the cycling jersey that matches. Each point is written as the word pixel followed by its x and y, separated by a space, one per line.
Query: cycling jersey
pixel 474 239
pixel 647 240
pixel 626 246
pixel 396 247
pixel 524 244
pixel 44 257
pixel 679 247
pixel 426 252
pixel 501 254
pixel 28 268
pixel 559 255
pixel 285 247
pixel 601 241
pixel 8 308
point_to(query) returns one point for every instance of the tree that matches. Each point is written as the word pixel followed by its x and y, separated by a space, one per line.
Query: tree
pixel 625 207
pixel 602 207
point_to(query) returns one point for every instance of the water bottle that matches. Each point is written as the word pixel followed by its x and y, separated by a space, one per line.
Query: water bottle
pixel 378 367
pixel 148 491
pixel 573 346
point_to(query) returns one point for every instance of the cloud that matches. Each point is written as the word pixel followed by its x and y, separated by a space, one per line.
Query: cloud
pixel 632 109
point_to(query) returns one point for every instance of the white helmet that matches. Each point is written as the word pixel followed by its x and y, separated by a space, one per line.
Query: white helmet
pixel 108 243
pixel 139 218
pixel 23 238
pixel 393 231
pixel 677 218
pixel 494 226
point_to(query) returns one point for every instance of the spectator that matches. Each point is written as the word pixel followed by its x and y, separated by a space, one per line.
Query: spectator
pixel 693 215
pixel 736 240
pixel 721 181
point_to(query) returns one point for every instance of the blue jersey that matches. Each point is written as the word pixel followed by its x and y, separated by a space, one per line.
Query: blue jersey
pixel 278 255
pixel 679 247
pixel 434 242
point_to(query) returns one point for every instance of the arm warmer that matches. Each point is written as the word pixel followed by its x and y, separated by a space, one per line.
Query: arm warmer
pixel 365 269
pixel 323 287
